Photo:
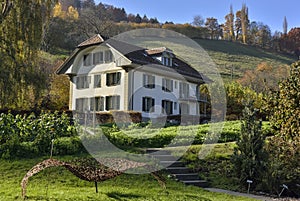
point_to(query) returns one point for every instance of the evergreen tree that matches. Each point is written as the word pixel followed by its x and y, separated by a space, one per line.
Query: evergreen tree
pixel 285 25
pixel 249 156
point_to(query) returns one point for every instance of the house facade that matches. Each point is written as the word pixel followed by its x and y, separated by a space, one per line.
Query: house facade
pixel 108 75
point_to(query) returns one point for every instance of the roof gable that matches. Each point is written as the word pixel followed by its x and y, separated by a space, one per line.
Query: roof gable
pixel 96 39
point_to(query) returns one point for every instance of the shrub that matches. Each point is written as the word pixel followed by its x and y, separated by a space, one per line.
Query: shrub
pixel 68 146
pixel 249 156
pixel 19 132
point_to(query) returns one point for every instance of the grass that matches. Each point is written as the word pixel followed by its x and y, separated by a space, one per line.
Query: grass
pixel 241 57
pixel 230 57
pixel 59 184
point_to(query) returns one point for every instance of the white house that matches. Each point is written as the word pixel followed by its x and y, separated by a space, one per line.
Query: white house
pixel 112 75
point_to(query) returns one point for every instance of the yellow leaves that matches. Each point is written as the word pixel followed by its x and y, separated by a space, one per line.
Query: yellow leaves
pixel 57 10
pixel 71 13
pixel 264 66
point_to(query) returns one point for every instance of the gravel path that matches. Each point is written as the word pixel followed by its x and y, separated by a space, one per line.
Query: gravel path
pixel 258 197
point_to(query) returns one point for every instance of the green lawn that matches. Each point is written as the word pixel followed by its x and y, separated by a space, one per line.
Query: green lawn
pixel 59 184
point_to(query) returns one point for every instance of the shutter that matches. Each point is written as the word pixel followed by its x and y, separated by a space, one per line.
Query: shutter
pixel 143 104
pixel 153 82
pixel 144 80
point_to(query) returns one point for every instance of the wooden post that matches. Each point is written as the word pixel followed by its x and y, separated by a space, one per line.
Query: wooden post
pixel 96 185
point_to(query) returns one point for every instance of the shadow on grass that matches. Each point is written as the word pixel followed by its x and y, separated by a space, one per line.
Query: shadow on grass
pixel 39 197
pixel 122 196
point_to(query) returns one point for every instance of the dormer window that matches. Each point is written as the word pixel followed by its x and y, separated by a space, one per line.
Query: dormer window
pixel 97 58
pixel 87 59
pixel 167 61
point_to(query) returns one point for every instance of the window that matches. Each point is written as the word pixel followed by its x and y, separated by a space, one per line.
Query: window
pixel 87 59
pixel 167 85
pixel 112 103
pixel 167 61
pixel 83 82
pixel 167 107
pixel 98 58
pixel 149 81
pixel 148 104
pixel 108 56
pixel 113 79
pixel 97 104
pixel 175 105
pixel 184 90
pixel 81 104
pixel 97 81
pixel 184 108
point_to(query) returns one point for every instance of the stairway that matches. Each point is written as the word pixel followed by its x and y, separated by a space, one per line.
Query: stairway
pixel 176 168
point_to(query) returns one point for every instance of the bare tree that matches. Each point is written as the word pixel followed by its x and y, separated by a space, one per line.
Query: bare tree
pixel 198 21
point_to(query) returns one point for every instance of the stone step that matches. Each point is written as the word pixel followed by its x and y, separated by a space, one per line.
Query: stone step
pixel 187 177
pixel 178 170
pixel 157 151
pixel 199 183
pixel 172 163
pixel 165 157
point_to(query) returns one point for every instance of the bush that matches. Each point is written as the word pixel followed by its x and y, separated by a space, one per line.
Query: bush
pixel 27 135
pixel 68 146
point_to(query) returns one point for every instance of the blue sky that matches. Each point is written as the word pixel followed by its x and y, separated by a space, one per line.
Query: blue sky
pixel 270 12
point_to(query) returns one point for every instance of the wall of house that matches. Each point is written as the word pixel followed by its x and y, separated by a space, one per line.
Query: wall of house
pixel 92 70
pixel 139 91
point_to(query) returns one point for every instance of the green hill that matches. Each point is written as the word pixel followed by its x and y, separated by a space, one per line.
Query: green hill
pixel 237 58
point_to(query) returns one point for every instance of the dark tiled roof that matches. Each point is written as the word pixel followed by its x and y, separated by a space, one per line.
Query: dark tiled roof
pixel 137 55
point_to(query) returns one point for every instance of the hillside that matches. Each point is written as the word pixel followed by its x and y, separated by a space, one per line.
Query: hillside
pixel 237 58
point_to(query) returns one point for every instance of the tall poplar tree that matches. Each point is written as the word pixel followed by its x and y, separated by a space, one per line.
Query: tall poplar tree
pixel 229 24
pixel 244 22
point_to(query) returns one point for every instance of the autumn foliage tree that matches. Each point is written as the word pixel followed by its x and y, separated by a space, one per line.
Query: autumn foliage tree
pixel 228 29
pixel 290 42
pixel 284 147
pixel 264 78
